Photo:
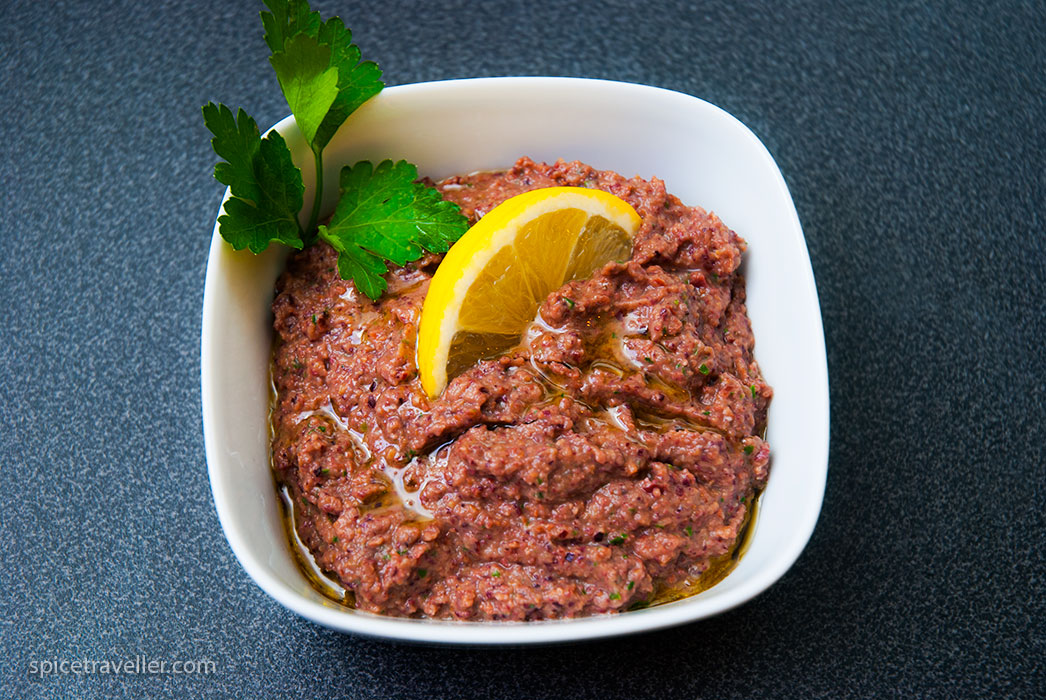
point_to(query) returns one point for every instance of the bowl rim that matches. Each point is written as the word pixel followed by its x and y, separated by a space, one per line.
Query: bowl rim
pixel 535 632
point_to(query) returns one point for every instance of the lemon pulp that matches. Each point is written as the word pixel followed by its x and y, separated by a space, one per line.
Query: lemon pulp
pixel 489 286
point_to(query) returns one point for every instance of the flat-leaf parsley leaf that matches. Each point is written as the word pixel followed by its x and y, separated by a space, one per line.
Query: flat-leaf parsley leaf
pixel 358 81
pixel 266 188
pixel 308 81
pixel 383 213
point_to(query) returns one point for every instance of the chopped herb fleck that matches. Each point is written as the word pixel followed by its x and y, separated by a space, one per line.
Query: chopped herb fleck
pixel 314 318
pixel 631 585
pixel 753 391
pixel 335 540
pixel 401 552
pixel 703 369
pixel 325 471
pixel 615 596
pixel 648 360
pixel 385 557
pixel 749 449
pixel 570 302
pixel 422 573
pixel 620 539
pixel 539 481
pixel 707 413
pixel 541 494
pixel 496 573
pixel 743 498
pixel 689 531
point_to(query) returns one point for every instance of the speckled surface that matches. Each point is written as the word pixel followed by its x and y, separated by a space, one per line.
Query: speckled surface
pixel 912 138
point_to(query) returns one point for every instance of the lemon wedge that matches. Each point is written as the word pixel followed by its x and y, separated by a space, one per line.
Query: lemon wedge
pixel 489 286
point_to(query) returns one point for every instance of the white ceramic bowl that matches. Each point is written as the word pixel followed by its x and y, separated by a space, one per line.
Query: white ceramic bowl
pixel 705 156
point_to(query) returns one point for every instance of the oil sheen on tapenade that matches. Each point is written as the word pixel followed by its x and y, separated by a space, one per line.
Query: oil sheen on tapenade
pixel 609 461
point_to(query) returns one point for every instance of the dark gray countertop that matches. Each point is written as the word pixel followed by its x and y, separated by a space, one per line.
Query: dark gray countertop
pixel 912 138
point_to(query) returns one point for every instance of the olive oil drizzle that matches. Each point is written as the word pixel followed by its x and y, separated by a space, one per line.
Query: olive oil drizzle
pixel 316 576
pixel 718 568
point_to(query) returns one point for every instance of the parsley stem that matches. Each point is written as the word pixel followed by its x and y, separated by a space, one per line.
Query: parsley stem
pixel 310 234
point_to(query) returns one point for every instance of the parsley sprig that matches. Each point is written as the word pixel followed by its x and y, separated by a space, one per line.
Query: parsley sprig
pixel 383 214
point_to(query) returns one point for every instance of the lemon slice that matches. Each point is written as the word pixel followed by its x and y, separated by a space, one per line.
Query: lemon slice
pixel 489 286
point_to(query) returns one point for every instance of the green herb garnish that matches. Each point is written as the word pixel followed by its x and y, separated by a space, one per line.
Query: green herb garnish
pixel 383 214
pixel 749 449
pixel 620 539
pixel 267 190
pixel 688 530
pixel 703 369
pixel 615 596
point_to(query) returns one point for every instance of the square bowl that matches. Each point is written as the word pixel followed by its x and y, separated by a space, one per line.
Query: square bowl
pixel 705 156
